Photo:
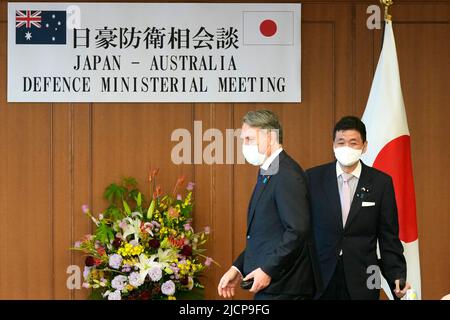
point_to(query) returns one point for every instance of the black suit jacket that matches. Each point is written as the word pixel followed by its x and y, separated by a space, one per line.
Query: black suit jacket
pixel 279 234
pixel 374 220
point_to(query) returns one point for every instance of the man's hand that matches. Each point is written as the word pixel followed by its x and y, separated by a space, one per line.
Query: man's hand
pixel 260 280
pixel 400 293
pixel 228 282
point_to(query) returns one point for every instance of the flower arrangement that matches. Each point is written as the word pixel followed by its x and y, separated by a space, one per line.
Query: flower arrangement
pixel 144 252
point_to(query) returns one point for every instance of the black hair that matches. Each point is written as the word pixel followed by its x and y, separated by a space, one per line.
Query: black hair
pixel 350 123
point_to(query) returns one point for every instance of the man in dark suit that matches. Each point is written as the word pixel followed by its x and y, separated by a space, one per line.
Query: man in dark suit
pixel 353 206
pixel 279 253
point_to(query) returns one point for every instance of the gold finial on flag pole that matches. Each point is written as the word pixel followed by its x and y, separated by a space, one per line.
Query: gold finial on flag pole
pixel 387 4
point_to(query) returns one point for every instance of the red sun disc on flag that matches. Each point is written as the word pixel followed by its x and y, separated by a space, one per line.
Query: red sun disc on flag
pixel 395 160
pixel 268 28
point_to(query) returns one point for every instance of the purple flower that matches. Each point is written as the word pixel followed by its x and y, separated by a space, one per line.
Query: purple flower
pixel 85 208
pixel 207 230
pixel 115 260
pixel 190 186
pixel 187 227
pixel 175 269
pixel 126 268
pixel 155 273
pixel 115 295
pixel 208 261
pixel 156 224
pixel 168 288
pixel 123 224
pixel 77 244
pixel 119 282
pixel 135 279
pixel 179 197
pixel 86 272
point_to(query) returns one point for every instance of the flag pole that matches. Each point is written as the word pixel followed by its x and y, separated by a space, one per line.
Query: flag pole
pixel 387 4
pixel 387 17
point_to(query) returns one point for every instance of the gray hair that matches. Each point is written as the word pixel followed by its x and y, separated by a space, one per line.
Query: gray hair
pixel 264 119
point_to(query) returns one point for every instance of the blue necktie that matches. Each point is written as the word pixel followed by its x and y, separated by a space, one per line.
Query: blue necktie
pixel 258 186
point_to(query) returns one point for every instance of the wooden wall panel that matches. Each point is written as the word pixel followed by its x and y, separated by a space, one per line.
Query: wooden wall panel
pixel 129 139
pixel 3 160
pixel 61 198
pixel 56 157
pixel 426 83
pixel 26 219
pixel 214 196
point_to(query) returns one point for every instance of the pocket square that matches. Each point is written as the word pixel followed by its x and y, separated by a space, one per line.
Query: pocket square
pixel 367 204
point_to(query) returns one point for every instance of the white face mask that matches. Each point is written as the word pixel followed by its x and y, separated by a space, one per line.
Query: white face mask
pixel 347 156
pixel 252 154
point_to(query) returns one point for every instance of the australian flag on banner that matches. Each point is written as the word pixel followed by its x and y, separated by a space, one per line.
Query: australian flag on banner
pixel 40 27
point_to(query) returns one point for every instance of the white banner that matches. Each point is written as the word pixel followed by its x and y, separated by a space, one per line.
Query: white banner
pixel 153 52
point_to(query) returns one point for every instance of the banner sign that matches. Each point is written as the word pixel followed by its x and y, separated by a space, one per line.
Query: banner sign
pixel 153 52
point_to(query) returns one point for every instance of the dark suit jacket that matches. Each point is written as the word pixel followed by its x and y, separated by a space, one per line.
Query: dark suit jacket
pixel 365 225
pixel 279 234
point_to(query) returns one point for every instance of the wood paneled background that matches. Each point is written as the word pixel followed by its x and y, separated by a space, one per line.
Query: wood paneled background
pixel 56 157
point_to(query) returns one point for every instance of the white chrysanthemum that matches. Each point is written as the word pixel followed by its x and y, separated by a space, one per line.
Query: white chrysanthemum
pixel 119 282
pixel 115 295
pixel 135 279
pixel 168 288
pixel 155 273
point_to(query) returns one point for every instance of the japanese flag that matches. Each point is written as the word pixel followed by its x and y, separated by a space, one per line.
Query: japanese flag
pixel 389 150
pixel 268 28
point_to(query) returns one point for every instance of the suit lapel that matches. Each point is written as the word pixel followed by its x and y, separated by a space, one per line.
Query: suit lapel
pixel 254 202
pixel 365 180
pixel 257 195
pixel 330 186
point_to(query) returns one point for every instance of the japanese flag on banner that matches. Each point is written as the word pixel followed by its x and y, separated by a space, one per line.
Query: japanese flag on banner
pixel 268 28
pixel 389 150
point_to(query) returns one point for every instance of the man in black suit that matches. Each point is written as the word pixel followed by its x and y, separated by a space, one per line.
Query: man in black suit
pixel 279 254
pixel 353 206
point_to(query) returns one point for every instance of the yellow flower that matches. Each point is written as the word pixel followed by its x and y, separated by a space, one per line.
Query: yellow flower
pixel 172 298
pixel 130 250
pixel 130 262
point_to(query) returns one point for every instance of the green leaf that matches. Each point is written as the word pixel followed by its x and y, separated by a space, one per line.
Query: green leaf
pixel 165 243
pixel 114 193
pixel 126 207
pixel 97 294
pixel 104 233
pixel 195 294
pixel 129 182
pixel 133 194
pixel 139 199
pixel 113 213
pixel 151 209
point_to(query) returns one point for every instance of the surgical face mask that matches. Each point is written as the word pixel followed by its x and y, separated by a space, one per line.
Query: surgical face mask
pixel 347 156
pixel 252 154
